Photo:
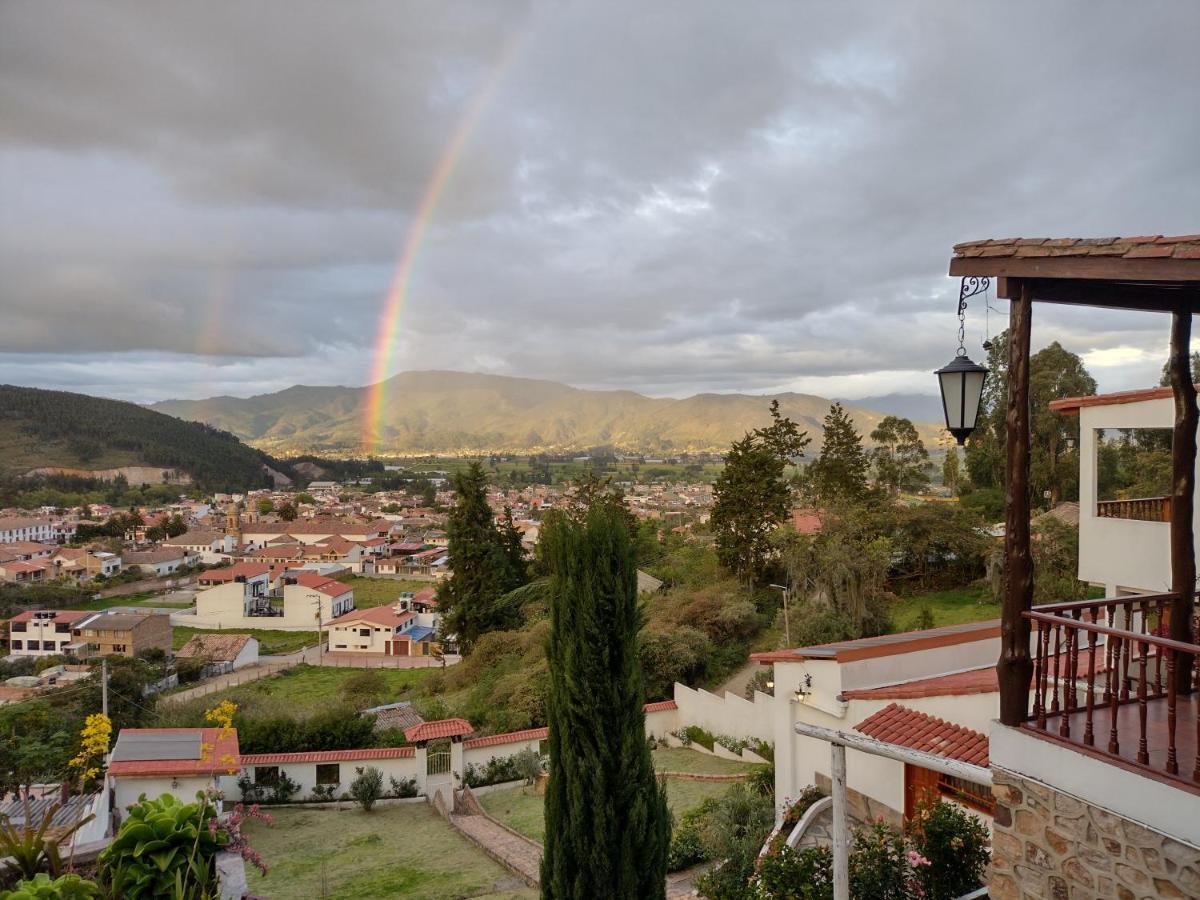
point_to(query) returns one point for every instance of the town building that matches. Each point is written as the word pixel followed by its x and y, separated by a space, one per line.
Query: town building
pixel 220 652
pixel 384 631
pixel 22 572
pixel 161 561
pixel 43 530
pixel 120 632
pixel 177 761
pixel 209 545
pixel 43 632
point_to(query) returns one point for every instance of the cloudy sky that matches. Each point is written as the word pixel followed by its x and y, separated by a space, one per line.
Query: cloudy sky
pixel 213 198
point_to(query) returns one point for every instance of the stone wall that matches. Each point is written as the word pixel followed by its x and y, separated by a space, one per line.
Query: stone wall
pixel 1047 844
pixel 862 809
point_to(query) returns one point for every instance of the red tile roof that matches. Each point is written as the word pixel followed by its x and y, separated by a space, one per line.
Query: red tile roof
pixel 220 747
pixel 886 644
pixel 60 615
pixel 1070 405
pixel 806 521
pixel 442 728
pixel 1184 246
pixel 228 574
pixel 323 583
pixel 661 706
pixel 976 681
pixel 896 724
pixel 377 615
pixel 328 756
pixel 512 737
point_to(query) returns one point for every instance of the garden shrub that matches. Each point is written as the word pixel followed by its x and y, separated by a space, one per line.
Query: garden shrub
pixel 497 770
pixel 694 734
pixel 403 788
pixel 687 844
pixel 323 793
pixel 367 787
pixel 956 844
pixel 283 789
pixel 733 833
pixel 65 887
pixel 184 855
pixel 797 874
pixel 880 864
pixel 732 744
pixel 765 749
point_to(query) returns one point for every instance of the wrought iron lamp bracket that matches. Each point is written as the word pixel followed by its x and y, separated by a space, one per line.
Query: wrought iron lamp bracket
pixel 970 287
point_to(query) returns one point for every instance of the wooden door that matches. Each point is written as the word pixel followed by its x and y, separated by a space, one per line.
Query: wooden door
pixel 917 783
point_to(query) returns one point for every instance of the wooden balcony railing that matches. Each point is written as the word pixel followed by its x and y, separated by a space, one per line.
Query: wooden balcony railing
pixel 1143 509
pixel 1105 677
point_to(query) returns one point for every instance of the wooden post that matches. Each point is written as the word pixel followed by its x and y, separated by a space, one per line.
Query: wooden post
pixel 841 837
pixel 1183 484
pixel 1014 668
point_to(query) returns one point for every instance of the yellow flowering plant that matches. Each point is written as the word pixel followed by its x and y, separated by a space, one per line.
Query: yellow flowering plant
pixel 93 746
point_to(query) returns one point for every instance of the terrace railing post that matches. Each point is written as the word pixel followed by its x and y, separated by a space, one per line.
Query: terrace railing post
pixel 1183 484
pixel 1014 669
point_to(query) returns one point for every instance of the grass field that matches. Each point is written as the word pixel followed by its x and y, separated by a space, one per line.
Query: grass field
pixel 952 607
pixel 371 592
pixel 270 643
pixel 395 851
pixel 522 810
pixel 305 689
pixel 681 759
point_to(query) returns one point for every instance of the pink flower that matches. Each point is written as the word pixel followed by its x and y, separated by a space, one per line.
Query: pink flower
pixel 916 860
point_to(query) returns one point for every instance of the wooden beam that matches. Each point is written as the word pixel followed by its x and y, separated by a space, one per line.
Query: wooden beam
pixel 841 827
pixel 1183 486
pixel 1014 670
pixel 1116 294
pixel 1104 268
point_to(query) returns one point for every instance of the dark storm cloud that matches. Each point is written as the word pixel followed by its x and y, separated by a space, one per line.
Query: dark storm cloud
pixel 206 198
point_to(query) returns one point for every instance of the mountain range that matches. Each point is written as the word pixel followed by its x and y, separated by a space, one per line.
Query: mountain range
pixel 442 412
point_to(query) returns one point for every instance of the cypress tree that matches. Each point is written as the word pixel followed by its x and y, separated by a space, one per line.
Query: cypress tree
pixel 607 825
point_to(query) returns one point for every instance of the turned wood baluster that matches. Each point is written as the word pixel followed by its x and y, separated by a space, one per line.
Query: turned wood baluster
pixel 1158 654
pixel 1089 737
pixel 1108 660
pixel 1143 755
pixel 1114 745
pixel 1064 726
pixel 1172 762
pixel 1043 649
pixel 1054 684
pixel 1124 657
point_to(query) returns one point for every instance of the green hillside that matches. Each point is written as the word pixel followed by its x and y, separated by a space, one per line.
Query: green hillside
pixel 457 412
pixel 40 429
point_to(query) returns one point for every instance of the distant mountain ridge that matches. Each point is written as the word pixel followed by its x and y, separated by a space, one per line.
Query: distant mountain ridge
pixel 44 432
pixel 443 412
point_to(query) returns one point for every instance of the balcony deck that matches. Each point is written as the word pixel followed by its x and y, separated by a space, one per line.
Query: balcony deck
pixel 1128 736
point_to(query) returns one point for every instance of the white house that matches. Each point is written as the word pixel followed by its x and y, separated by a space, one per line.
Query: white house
pixel 211 546
pixel 239 597
pixel 1123 544
pixel 23 528
pixel 42 632
pixel 221 652
pixel 176 761
pixel 161 561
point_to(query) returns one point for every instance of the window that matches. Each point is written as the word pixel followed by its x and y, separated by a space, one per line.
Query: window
pixel 15 645
pixel 118 648
pixel 364 632
pixel 35 645
pixel 62 629
pixel 329 773
pixel 17 626
pixel 266 774
pixel 974 796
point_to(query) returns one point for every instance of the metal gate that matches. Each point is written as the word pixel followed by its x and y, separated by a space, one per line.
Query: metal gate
pixel 437 758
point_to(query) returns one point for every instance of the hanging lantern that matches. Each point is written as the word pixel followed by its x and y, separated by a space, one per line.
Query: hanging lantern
pixel 961 380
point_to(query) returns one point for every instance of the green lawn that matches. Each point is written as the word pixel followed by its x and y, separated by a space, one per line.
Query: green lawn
pixel 305 689
pixel 270 643
pixel 371 592
pixel 522 810
pixel 681 759
pixel 952 607
pixel 395 851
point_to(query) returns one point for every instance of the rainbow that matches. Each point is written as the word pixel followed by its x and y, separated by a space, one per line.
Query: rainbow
pixel 397 295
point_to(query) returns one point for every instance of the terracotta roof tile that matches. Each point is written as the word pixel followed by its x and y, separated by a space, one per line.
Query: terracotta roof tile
pixel 976 681
pixel 1182 246
pixel 328 756
pixel 442 728
pixel 512 737
pixel 221 747
pixel 661 706
pixel 896 724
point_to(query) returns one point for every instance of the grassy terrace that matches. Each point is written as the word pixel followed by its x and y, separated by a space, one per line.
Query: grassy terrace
pixel 405 850
pixel 953 607
pixel 370 592
pixel 305 689
pixel 270 643
pixel 521 809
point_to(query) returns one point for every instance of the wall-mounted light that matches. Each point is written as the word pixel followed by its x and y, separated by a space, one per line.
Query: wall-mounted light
pixel 803 688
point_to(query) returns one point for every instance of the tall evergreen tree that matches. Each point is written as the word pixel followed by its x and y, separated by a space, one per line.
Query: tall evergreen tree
pixel 751 497
pixel 484 563
pixel 839 474
pixel 607 824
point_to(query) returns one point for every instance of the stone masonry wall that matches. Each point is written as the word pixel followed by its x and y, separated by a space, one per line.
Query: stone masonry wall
pixel 1047 844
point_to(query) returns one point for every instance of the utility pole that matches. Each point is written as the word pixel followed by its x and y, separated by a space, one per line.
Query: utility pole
pixel 787 631
pixel 104 686
pixel 320 635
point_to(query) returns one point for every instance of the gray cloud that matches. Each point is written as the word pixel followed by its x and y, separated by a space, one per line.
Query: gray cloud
pixel 208 198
